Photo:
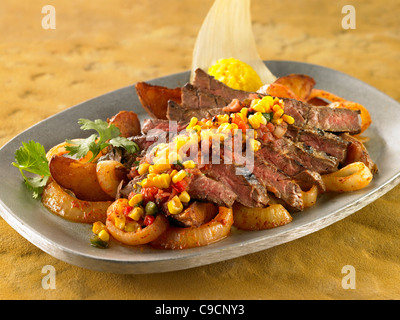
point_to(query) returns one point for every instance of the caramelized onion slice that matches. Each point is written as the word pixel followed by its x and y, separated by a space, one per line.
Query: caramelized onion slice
pixel 310 196
pixel 183 238
pixel 141 235
pixel 110 173
pixel 274 215
pixel 352 177
pixel 58 201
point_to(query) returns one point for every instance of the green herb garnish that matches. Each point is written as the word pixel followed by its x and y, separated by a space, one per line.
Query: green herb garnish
pixel 106 135
pixel 31 157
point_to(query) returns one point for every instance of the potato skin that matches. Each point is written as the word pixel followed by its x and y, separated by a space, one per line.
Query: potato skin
pixel 78 177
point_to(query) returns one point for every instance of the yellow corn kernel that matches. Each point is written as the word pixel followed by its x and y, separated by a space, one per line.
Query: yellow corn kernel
pixel 179 176
pixel 136 213
pixel 223 118
pixel 208 124
pixel 131 226
pixel 175 205
pixel 197 128
pixel 243 113
pixel 255 145
pixel 278 114
pixel 206 134
pixel 174 157
pixel 254 102
pixel 256 120
pixel 159 166
pixel 288 119
pixel 174 172
pixel 180 141
pixel 143 168
pixel 136 199
pixel 277 121
pixel 145 183
pixel 119 222
pixel 191 124
pixel 225 127
pixel 276 108
pixel 184 197
pixel 162 181
pixel 189 164
pixel 104 236
pixel 98 226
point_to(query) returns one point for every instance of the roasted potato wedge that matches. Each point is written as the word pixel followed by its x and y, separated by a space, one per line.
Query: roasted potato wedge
pixel 78 177
pixel 278 90
pixel 300 84
pixel 154 99
pixel 127 122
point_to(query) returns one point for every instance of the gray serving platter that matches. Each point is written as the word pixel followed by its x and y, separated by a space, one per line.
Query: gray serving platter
pixel 69 241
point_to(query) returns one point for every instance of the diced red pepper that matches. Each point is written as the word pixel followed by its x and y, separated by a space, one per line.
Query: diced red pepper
pixel 148 220
pixel 127 210
pixel 242 125
pixel 149 193
pixel 181 186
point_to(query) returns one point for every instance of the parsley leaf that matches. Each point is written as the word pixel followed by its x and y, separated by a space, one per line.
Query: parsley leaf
pixel 125 143
pixel 31 157
pixel 106 135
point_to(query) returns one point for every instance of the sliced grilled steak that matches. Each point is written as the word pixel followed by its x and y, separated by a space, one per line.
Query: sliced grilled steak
pixel 176 112
pixel 195 98
pixel 293 157
pixel 304 114
pixel 277 182
pixel 320 140
pixel 208 83
pixel 204 188
pixel 323 117
pixel 248 190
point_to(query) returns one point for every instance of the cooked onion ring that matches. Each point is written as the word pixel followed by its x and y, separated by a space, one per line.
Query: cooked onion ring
pixel 110 173
pixel 352 177
pixel 141 235
pixel 63 204
pixel 274 215
pixel 183 238
pixel 310 196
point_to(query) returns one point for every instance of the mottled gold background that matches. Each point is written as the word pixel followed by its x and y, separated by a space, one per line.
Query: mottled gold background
pixel 100 45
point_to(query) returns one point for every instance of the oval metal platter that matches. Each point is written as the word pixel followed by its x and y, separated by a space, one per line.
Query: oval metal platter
pixel 69 241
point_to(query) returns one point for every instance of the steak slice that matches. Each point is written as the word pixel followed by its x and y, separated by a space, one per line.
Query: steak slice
pixel 320 140
pixel 293 157
pixel 176 112
pixel 323 117
pixel 277 182
pixel 249 191
pixel 208 83
pixel 204 188
pixel 196 98
pixel 305 115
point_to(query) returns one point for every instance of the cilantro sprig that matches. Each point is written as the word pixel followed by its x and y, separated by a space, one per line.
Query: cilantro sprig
pixel 31 157
pixel 107 134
